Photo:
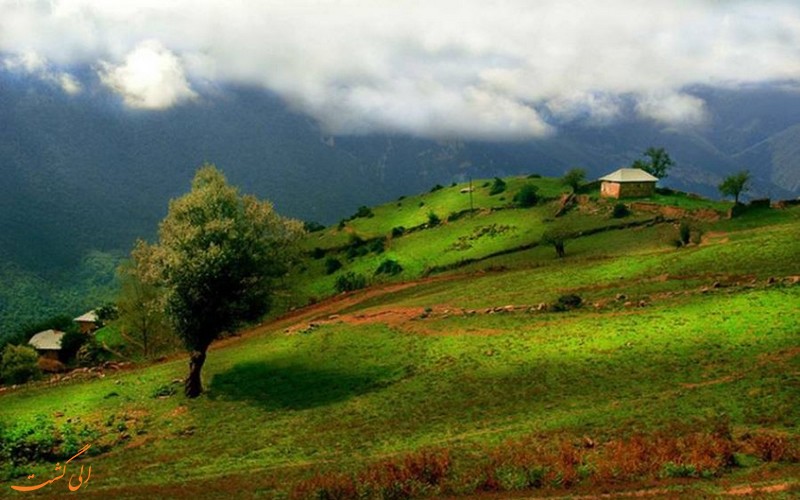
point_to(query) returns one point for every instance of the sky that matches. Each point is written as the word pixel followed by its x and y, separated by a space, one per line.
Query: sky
pixel 486 70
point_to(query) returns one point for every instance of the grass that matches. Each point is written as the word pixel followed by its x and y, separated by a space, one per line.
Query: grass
pixel 364 394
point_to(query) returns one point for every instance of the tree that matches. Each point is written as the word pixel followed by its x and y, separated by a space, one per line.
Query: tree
pixel 658 164
pixel 216 261
pixel 140 304
pixel 556 237
pixel 735 184
pixel 574 178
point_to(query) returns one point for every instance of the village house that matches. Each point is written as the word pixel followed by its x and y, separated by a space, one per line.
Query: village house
pixel 87 323
pixel 47 343
pixel 628 183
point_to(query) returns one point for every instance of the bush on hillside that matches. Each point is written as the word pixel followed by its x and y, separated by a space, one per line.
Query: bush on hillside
pixel 18 364
pixel 436 188
pixel 620 211
pixel 433 219
pixel 312 226
pixel 377 245
pixel 350 281
pixel 566 303
pixel 92 353
pixel 332 265
pixel 390 267
pixel 498 186
pixel 317 253
pixel 527 196
pixel 398 231
pixel 363 212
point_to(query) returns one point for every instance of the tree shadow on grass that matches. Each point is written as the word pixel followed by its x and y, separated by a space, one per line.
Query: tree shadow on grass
pixel 295 386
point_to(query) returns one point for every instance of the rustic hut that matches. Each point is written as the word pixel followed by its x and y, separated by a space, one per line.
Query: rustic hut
pixel 47 343
pixel 87 323
pixel 628 183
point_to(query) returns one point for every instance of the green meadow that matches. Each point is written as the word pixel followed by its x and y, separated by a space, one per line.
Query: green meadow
pixel 463 354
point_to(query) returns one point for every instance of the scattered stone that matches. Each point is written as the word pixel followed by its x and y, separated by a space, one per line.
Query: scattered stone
pixel 792 280
pixel 642 303
pixel 621 297
pixel 489 352
pixel 716 284
pixel 508 308
pixel 58 414
pixel 772 280
pixel 588 442
pixel 704 289
pixel 542 306
pixel 628 304
pixel 333 317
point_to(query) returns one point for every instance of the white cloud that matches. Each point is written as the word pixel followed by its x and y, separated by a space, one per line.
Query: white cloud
pixel 32 63
pixel 672 108
pixel 151 77
pixel 436 68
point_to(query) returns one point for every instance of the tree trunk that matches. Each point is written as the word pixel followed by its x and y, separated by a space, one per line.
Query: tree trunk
pixel 193 386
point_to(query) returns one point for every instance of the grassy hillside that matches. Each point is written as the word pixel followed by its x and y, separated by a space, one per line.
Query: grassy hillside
pixel 452 378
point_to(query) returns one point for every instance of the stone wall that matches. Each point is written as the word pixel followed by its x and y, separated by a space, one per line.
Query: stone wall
pixel 637 189
pixel 627 189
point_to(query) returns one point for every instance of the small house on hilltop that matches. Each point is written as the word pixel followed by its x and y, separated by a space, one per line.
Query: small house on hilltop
pixel 628 183
pixel 87 323
pixel 47 343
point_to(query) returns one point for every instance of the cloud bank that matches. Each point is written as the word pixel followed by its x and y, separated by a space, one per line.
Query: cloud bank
pixel 507 69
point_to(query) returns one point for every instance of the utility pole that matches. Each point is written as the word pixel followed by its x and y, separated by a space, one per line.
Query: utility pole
pixel 471 208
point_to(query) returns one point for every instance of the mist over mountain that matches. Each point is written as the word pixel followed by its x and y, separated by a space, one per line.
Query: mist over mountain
pixel 82 173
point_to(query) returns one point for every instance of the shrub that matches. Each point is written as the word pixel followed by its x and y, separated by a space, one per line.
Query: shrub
pixel 620 211
pixel 566 302
pixel 363 211
pixel 341 224
pixel 377 245
pixel 332 265
pixel 535 176
pixel 498 186
pixel 313 226
pixel 527 196
pixel 317 253
pixel 454 216
pixel 436 188
pixel 350 281
pixel 18 364
pixel 390 267
pixel 574 178
pixel 71 342
pixel 433 219
pixel 672 469
pixel 92 353
pixel 398 231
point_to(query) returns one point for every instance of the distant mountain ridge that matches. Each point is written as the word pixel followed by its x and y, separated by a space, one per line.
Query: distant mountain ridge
pixel 82 174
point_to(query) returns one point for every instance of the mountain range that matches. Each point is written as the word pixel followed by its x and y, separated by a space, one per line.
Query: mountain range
pixel 81 177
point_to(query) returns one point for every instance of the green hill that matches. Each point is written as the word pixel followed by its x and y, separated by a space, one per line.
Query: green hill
pixel 472 370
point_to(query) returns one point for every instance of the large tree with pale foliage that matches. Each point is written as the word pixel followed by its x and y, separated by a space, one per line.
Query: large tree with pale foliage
pixel 216 261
